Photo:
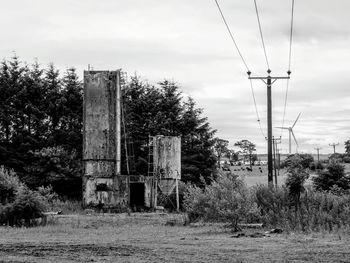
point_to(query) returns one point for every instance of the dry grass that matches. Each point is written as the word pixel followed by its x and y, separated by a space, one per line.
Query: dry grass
pixel 146 238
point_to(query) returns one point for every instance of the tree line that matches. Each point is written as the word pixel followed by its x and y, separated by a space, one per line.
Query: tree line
pixel 41 117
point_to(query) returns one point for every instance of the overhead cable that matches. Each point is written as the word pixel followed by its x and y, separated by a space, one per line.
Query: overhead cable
pixel 245 64
pixel 289 64
pixel 231 35
pixel 256 109
pixel 261 34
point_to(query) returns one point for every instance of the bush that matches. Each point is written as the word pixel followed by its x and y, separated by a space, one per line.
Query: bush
pixel 333 176
pixel 226 199
pixel 316 210
pixel 57 168
pixel 9 183
pixel 305 160
pixel 272 203
pixel 296 177
pixel 316 166
pixel 346 159
pixel 48 194
pixel 27 206
pixel 19 205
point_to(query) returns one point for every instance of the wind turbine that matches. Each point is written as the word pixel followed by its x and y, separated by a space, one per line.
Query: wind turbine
pixel 290 129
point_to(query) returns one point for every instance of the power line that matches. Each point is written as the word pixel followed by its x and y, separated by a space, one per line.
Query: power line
pixel 231 35
pixel 256 108
pixel 285 106
pixel 245 64
pixel 289 63
pixel 291 36
pixel 261 34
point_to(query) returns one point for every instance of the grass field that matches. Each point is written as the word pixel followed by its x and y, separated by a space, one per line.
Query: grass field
pixel 255 177
pixel 146 238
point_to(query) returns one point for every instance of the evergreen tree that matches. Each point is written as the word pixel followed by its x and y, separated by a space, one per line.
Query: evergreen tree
pixel 160 111
pixel 71 123
pixel 197 144
pixel 53 102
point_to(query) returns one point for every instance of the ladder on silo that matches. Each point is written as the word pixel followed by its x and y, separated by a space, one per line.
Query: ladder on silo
pixel 150 168
pixel 128 143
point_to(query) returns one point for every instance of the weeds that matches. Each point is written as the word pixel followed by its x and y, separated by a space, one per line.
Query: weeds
pixel 228 200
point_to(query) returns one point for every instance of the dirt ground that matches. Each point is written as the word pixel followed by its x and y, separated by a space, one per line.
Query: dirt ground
pixel 146 237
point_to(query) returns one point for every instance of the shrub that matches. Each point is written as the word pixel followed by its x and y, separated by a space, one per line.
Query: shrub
pixel 27 206
pixel 225 199
pixel 333 176
pixel 9 183
pixel 55 167
pixel 48 194
pixel 316 166
pixel 316 210
pixel 346 159
pixel 19 205
pixel 304 159
pixel 296 177
pixel 272 203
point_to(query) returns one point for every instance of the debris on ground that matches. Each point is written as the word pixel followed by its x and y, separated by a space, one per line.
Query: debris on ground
pixel 251 225
pixel 274 231
pixel 253 235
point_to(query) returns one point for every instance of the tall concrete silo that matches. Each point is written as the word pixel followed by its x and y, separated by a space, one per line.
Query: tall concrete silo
pixel 103 184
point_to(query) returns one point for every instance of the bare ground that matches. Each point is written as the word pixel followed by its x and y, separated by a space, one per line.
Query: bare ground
pixel 146 238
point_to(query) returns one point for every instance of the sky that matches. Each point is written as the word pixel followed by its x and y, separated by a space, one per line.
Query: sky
pixel 186 41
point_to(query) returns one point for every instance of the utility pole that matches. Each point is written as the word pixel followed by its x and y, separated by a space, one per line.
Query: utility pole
pixel 275 142
pixel 269 80
pixel 279 161
pixel 318 153
pixel 333 145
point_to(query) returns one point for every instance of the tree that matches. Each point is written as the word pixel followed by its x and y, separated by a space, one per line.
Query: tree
pixel 347 147
pixel 333 176
pixel 305 159
pixel 39 109
pixel 296 177
pixel 220 148
pixel 197 159
pixel 232 155
pixel 153 110
pixel 53 102
pixel 248 148
pixel 71 122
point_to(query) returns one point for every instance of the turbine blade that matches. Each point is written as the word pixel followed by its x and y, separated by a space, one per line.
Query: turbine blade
pixel 296 120
pixel 295 138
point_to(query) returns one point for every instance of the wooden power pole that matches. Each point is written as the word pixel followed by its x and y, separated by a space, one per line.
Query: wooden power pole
pixel 333 145
pixel 269 80
pixel 275 141
pixel 318 153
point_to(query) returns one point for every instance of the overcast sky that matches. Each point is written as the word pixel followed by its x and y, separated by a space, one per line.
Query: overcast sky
pixel 187 42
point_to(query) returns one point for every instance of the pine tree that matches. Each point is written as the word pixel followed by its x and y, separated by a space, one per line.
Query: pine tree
pixel 53 102
pixel 72 112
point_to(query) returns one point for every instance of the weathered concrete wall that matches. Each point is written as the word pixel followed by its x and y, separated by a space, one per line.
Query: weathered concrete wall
pixel 102 183
pixel 167 157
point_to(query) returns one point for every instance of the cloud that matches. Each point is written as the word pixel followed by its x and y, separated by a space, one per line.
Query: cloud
pixel 186 41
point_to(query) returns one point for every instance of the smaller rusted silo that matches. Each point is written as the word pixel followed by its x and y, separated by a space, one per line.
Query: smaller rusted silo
pixel 167 163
